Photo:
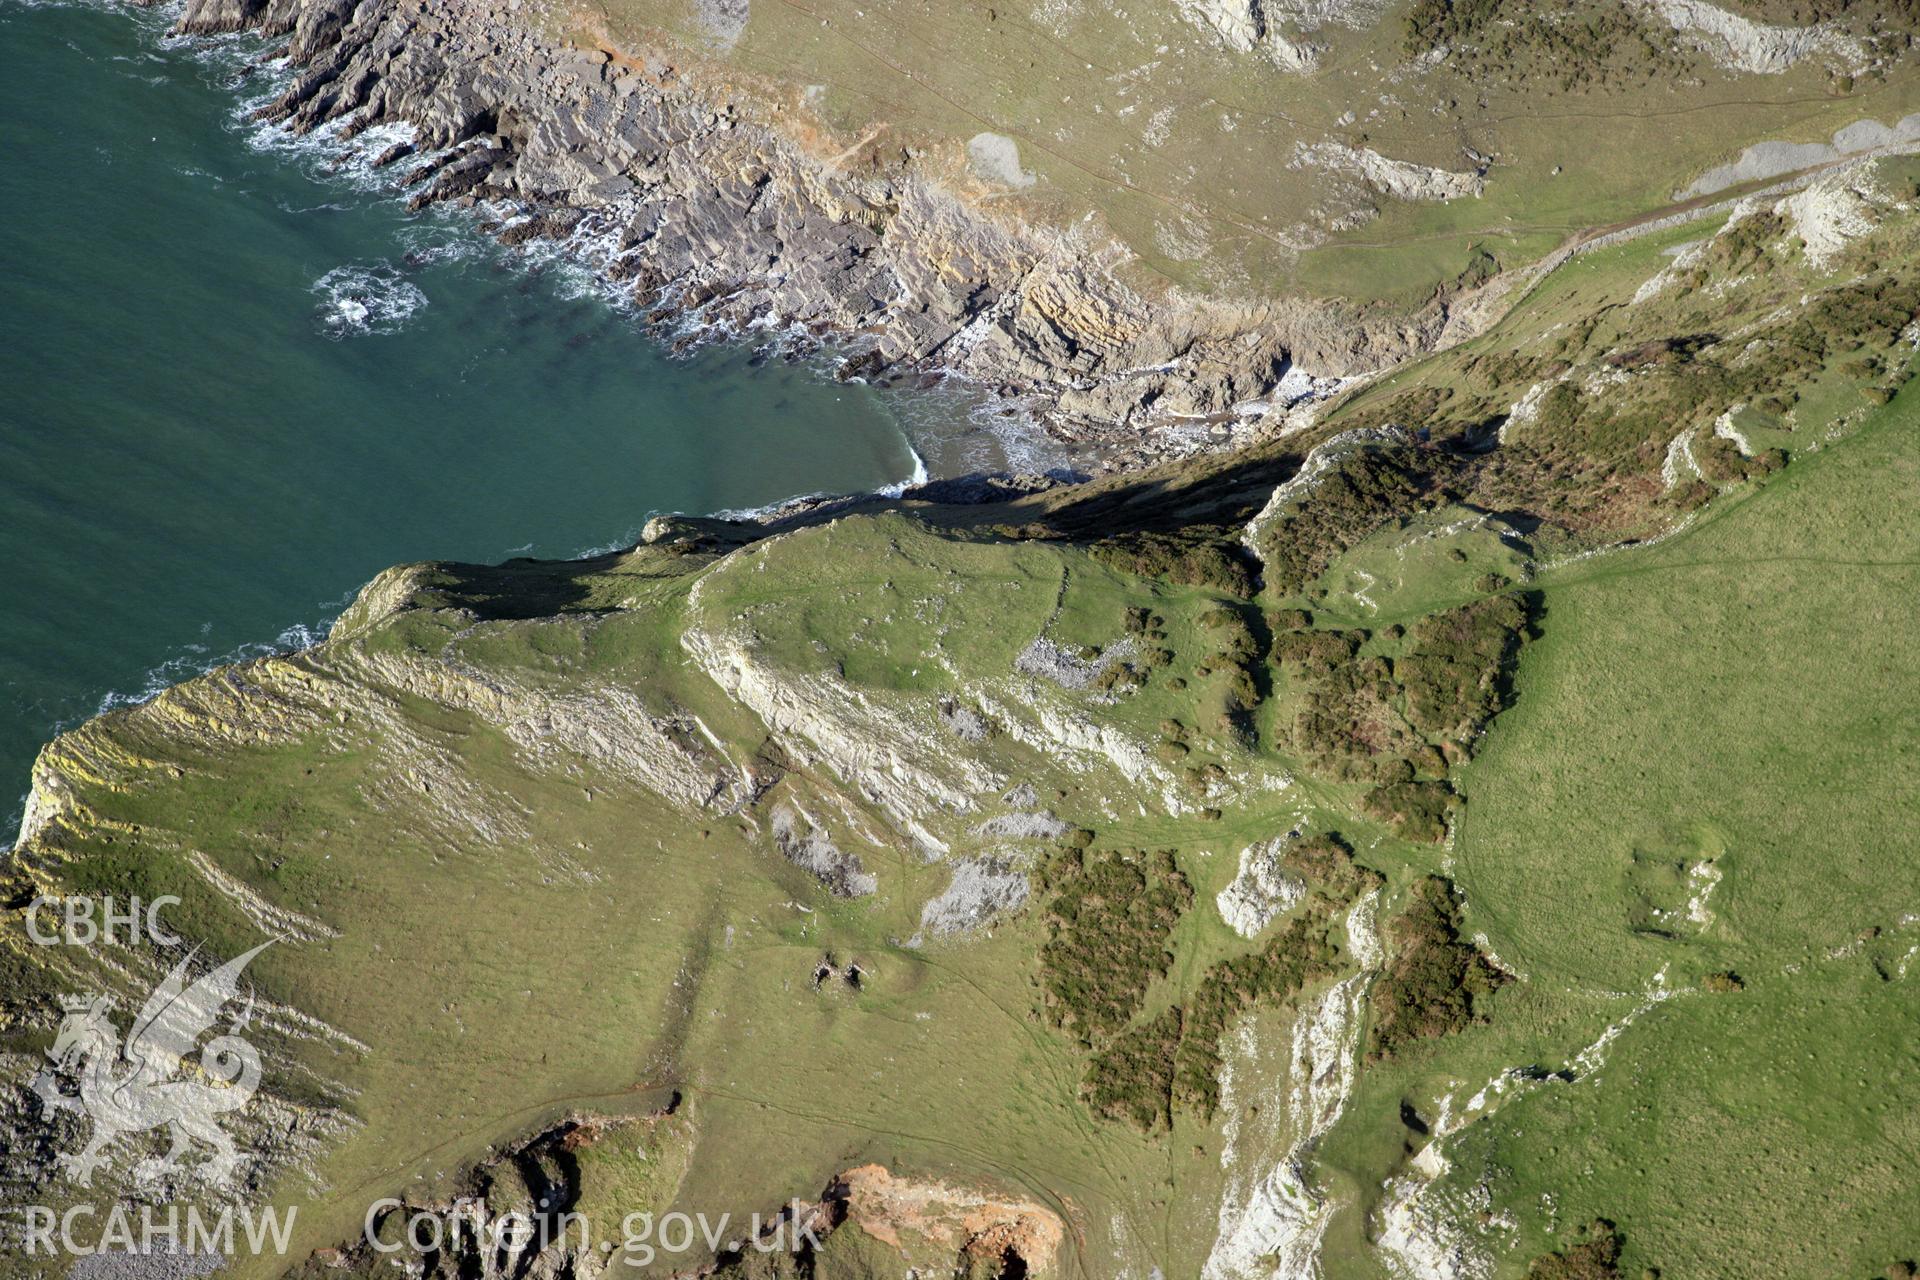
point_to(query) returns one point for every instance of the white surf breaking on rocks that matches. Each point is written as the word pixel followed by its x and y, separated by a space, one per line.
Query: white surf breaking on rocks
pixel 191 660
pixel 365 298
pixel 919 476
pixel 957 424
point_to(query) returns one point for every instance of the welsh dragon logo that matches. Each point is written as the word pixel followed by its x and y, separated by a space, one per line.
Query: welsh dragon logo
pixel 147 1082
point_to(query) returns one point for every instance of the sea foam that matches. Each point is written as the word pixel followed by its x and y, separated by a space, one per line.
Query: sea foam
pixel 362 298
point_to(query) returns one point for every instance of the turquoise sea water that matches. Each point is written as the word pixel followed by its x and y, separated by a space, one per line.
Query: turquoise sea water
pixel 233 387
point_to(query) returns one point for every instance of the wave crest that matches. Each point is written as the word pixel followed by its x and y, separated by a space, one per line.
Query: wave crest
pixel 365 298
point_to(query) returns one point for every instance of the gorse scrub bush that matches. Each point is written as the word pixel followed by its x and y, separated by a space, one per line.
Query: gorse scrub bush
pixel 1299 954
pixel 1108 925
pixel 1142 1072
pixel 1132 1078
pixel 1110 922
pixel 1236 664
pixel 1360 493
pixel 1401 720
pixel 1417 811
pixel 1557 42
pixel 1593 1255
pixel 1315 653
pixel 1452 674
pixel 1326 863
pixel 1201 556
pixel 1436 983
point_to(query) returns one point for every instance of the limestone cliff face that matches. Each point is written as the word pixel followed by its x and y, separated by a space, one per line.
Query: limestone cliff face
pixel 710 212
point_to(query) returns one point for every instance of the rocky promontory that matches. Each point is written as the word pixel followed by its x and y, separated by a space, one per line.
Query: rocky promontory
pixel 711 211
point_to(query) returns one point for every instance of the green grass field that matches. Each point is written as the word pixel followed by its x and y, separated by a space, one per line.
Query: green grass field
pixel 529 832
pixel 1183 147
pixel 1734 694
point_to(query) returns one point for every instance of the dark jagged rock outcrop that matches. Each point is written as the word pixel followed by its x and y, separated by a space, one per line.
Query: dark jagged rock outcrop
pixel 705 211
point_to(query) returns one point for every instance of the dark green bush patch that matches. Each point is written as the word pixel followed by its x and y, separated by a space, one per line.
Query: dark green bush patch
pixel 1437 982
pixel 1201 556
pixel 1315 652
pixel 1393 720
pixel 1326 863
pixel 1453 675
pixel 1594 1254
pixel 1238 668
pixel 1110 922
pixel 1417 811
pixel 1540 42
pixel 1299 954
pixel 1358 495
pixel 1722 463
pixel 1108 925
pixel 1121 677
pixel 1132 1078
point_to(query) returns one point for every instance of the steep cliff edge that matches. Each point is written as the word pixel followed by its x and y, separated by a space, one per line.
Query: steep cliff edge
pixel 1331 852
pixel 724 193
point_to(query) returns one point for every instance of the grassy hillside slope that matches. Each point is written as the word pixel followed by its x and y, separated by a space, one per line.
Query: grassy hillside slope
pixel 1219 140
pixel 1704 774
pixel 1389 849
pixel 1733 698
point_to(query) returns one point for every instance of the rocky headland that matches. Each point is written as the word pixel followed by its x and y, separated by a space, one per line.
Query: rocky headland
pixel 715 211
pixel 759 857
